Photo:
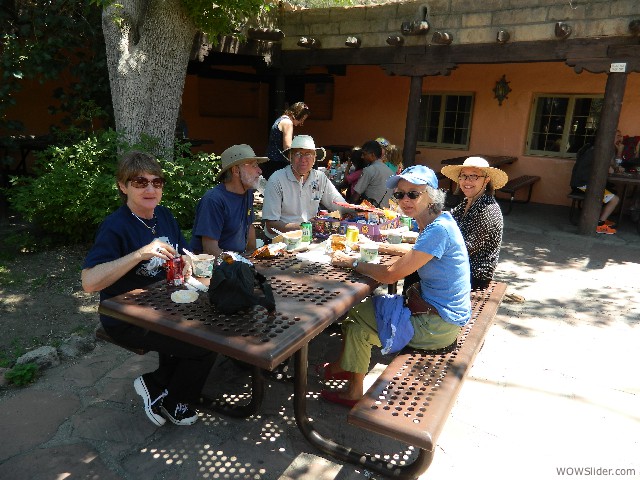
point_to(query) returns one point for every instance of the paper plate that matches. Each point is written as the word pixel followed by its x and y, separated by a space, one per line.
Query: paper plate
pixel 184 296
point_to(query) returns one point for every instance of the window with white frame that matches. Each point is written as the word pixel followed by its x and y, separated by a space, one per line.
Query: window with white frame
pixel 562 124
pixel 445 120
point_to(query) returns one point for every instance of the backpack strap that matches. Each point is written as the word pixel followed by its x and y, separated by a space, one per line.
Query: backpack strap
pixel 268 301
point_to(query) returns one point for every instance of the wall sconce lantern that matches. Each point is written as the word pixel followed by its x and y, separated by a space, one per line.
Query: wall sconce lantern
pixel 563 30
pixel 353 42
pixel 395 40
pixel 501 90
pixel 442 38
pixel 502 37
pixel 634 27
pixel 308 42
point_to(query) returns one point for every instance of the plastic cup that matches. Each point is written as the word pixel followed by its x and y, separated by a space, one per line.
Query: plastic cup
pixel 369 253
pixel 203 266
pixel 394 238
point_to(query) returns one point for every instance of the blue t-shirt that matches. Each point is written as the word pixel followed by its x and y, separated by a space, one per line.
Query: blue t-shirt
pixel 444 279
pixel 223 216
pixel 120 234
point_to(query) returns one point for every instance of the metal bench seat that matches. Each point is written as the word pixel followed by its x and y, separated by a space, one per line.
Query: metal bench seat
pixel 412 398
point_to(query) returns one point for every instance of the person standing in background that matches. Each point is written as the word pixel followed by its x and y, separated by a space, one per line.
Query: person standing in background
pixel 281 135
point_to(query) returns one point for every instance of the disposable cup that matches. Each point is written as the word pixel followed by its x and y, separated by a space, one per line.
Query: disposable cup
pixel 369 253
pixel 203 265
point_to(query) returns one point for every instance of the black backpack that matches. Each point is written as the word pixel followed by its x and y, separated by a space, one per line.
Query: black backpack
pixel 238 286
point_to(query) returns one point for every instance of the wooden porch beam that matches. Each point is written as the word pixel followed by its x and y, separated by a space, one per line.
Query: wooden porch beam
pixel 410 60
pixel 603 151
pixel 413 118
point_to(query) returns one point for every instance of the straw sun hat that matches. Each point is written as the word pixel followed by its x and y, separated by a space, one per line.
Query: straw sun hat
pixel 497 176
pixel 305 142
pixel 236 155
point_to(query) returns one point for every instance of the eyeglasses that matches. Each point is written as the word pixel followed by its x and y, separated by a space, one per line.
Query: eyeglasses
pixel 306 156
pixel 412 195
pixel 473 178
pixel 142 182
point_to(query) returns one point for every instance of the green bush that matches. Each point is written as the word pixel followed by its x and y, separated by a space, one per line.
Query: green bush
pixel 74 186
pixel 21 375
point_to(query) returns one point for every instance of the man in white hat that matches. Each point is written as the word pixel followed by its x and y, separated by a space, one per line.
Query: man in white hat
pixel 293 194
pixel 224 215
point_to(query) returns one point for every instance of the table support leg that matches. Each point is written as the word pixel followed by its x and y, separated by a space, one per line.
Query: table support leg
pixel 341 452
pixel 238 411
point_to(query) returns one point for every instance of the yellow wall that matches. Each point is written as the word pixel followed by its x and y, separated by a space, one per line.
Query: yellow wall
pixel 502 130
pixel 369 103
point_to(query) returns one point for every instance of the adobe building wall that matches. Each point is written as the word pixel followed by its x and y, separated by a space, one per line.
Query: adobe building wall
pixel 468 21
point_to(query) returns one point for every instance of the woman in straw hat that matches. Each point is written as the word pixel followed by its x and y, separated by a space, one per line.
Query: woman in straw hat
pixel 478 215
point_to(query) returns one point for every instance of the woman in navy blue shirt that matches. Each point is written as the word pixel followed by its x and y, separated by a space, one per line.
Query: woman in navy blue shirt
pixel 129 252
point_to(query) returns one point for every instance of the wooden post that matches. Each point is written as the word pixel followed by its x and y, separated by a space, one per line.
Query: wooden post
pixel 413 117
pixel 603 152
pixel 279 96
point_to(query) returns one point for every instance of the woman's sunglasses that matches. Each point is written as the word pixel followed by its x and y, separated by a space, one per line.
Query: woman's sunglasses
pixel 412 195
pixel 142 182
pixel 473 178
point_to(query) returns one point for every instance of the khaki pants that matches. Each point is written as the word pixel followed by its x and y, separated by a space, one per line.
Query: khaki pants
pixel 361 333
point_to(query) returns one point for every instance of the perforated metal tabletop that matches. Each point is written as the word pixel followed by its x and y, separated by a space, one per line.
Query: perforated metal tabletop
pixel 309 296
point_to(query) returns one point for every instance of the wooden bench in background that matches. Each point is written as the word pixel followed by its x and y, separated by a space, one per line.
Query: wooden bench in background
pixel 101 334
pixel 516 184
pixel 412 398
pixel 576 205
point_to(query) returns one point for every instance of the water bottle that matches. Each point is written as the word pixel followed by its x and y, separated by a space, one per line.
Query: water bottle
pixel 334 166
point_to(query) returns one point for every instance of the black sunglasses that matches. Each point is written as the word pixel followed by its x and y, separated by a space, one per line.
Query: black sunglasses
pixel 142 182
pixel 412 195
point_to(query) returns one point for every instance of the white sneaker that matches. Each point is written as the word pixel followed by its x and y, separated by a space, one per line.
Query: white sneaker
pixel 152 400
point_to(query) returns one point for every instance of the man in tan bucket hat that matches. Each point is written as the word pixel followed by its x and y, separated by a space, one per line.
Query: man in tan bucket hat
pixel 224 215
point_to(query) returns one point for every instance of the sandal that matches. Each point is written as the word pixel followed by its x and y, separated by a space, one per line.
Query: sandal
pixel 334 397
pixel 322 371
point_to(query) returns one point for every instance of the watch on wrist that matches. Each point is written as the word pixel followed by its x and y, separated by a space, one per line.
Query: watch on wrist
pixel 354 264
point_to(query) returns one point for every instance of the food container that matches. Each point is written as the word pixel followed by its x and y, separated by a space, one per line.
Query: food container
pixel 184 296
pixel 292 239
pixel 369 253
pixel 203 265
pixel 409 237
pixel 371 230
pixel 394 238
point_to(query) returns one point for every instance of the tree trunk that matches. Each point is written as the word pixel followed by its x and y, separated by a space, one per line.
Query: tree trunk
pixel 148 44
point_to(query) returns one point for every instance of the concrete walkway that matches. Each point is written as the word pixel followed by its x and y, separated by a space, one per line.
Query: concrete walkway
pixel 556 386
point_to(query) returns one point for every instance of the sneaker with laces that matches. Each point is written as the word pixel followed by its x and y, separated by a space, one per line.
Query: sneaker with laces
pixel 179 413
pixel 152 397
pixel 606 229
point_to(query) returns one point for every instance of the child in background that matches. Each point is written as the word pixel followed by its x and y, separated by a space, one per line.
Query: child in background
pixel 353 171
